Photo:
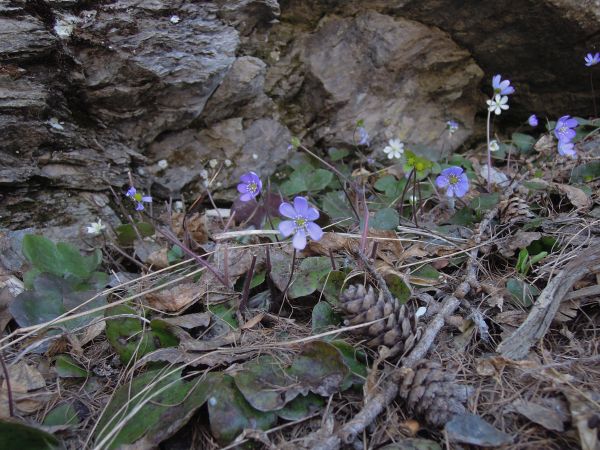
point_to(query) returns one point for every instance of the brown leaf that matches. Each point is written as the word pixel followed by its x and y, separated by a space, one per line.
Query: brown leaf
pixel 583 413
pixel 195 226
pixel 189 321
pixel 159 259
pixel 26 383
pixel 576 196
pixel 520 240
pixel 175 298
pixel 539 414
pixel 254 321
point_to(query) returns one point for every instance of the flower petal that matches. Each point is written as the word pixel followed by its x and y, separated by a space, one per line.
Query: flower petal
pixel 248 177
pixel 130 192
pixel 299 241
pixel 287 227
pixel 139 207
pixel 314 231
pixel 147 199
pixel 311 214
pixel 242 188
pixel 287 210
pixel 442 181
pixel 246 197
pixel 301 206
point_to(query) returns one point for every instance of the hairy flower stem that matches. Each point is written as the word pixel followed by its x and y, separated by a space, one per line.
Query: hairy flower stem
pixel 489 152
pixel 414 207
pixel 287 286
pixel 247 282
pixel 593 94
pixel 11 407
pixel 404 191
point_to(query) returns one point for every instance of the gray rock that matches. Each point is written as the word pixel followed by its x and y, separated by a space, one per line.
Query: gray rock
pixel 23 38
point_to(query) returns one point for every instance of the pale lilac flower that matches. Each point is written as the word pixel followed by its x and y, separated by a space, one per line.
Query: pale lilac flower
pixel 497 104
pixel 249 187
pixel 452 127
pixel 138 198
pixel 302 216
pixel 363 135
pixel 454 180
pixel 592 59
pixel 564 128
pixel 532 121
pixel 566 148
pixel 502 87
pixel 394 149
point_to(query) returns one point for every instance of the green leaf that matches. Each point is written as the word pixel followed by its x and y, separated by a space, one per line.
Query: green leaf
pixel 335 154
pixel 319 368
pixel 256 382
pixel 522 293
pixel 355 360
pixel 522 264
pixel 164 403
pixel 301 407
pixel 390 185
pixel 523 142
pixel 130 338
pixel 229 413
pixel 64 414
pixel 66 367
pixel 385 219
pixel 336 206
pixel 309 275
pixel 464 216
pixel 51 297
pixel 175 254
pixel 225 313
pixel 295 142
pixel 318 179
pixel 323 317
pixel 126 233
pixel 398 287
pixel 485 202
pixel 585 173
pixel 334 283
pixel 42 254
pixel 15 434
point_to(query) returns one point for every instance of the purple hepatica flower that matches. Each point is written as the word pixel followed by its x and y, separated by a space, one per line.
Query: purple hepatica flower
pixel 592 60
pixel 566 148
pixel 138 198
pixel 364 136
pixel 532 121
pixel 452 127
pixel 564 128
pixel 302 216
pixel 454 180
pixel 502 87
pixel 250 186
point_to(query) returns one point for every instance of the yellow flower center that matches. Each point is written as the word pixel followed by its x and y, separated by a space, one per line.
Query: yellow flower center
pixel 300 222
pixel 453 179
pixel 252 187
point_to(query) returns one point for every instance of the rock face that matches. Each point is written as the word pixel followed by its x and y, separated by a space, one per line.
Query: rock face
pixel 90 91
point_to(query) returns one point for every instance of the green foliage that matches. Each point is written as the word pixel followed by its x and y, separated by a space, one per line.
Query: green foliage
pixel 16 434
pixel 337 154
pixel 385 219
pixel 585 172
pixel 64 414
pixel 336 206
pixel 523 294
pixel 130 338
pixel 175 254
pixel 66 367
pixel 398 287
pixel 323 317
pixel 523 142
pixel 306 179
pixel 148 404
pixel 309 276
pixel 126 233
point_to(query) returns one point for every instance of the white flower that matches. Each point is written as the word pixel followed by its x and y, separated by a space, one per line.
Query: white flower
pixel 394 149
pixel 174 19
pixel 163 164
pixel 498 104
pixel 421 311
pixel 254 156
pixel 213 163
pixel 95 227
pixel 178 206
pixel 494 146
pixel 227 163
pixel 204 174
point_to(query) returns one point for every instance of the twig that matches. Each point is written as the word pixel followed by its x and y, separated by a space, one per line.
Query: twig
pixel 517 345
pixel 11 405
pixel 247 281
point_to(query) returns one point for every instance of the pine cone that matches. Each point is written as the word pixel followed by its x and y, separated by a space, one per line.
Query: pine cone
pixel 513 210
pixel 399 330
pixel 431 391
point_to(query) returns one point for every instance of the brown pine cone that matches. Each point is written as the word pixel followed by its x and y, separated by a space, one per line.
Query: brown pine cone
pixel 513 210
pixel 431 391
pixel 399 330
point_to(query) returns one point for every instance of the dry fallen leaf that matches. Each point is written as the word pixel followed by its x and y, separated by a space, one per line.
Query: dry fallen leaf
pixel 583 412
pixel 576 196
pixel 175 298
pixel 539 414
pixel 27 387
pixel 520 240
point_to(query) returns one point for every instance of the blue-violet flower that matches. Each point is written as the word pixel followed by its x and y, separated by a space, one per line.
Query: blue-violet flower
pixel 502 87
pixel 452 126
pixel 302 216
pixel 532 121
pixel 454 180
pixel 363 136
pixel 138 198
pixel 566 148
pixel 592 60
pixel 564 128
pixel 249 187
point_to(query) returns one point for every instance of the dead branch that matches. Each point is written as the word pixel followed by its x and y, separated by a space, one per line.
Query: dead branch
pixel 517 345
